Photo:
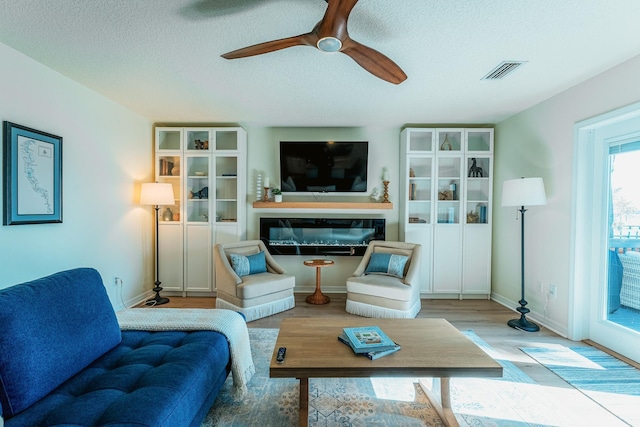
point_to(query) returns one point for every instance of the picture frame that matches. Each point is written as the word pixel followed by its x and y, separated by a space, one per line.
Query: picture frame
pixel 32 176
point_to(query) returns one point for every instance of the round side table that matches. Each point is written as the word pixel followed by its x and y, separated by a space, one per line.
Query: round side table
pixel 318 297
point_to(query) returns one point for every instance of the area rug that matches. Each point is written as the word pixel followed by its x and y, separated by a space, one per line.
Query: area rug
pixel 513 400
pixel 606 380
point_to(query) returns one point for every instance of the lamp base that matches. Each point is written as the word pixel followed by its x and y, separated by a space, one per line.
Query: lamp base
pixel 157 299
pixel 523 324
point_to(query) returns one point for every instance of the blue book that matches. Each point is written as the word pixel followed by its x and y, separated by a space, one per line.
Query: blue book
pixel 368 338
pixel 373 355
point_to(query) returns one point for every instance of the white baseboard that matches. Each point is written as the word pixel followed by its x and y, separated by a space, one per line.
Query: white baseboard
pixel 533 315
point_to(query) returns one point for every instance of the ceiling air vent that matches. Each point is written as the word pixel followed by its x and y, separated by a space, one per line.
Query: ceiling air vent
pixel 503 70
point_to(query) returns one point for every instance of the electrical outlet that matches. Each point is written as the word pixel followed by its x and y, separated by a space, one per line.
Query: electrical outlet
pixel 540 286
pixel 117 281
pixel 553 290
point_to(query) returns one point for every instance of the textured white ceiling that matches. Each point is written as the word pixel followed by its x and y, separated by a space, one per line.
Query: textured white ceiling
pixel 162 58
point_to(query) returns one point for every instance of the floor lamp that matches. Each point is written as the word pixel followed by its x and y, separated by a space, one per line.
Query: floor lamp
pixel 523 192
pixel 154 193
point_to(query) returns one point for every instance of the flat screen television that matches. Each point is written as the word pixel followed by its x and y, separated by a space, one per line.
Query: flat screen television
pixel 323 166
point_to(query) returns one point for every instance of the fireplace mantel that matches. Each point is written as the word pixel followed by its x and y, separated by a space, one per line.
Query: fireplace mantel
pixel 323 205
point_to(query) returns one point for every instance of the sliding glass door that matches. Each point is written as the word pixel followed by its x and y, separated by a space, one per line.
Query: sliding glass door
pixel 623 254
pixel 605 282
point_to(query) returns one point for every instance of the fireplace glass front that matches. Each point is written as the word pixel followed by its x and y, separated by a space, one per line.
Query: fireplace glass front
pixel 320 236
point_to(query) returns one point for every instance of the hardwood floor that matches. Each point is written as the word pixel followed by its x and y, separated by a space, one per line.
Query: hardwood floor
pixel 487 319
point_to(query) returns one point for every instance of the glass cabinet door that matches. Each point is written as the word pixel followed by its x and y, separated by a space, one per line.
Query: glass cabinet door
pixel 478 188
pixel 226 204
pixel 226 140
pixel 448 187
pixel 419 191
pixel 197 188
pixel 168 139
pixel 420 141
pixel 168 171
pixel 197 139
pixel 450 140
pixel 479 140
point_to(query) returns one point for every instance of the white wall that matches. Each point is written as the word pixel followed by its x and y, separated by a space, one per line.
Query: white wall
pixel 539 142
pixel 107 152
pixel 263 157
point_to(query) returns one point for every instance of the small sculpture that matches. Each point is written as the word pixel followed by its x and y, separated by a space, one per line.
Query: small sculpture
pixel 201 145
pixel 375 195
pixel 445 195
pixel 202 194
pixel 475 170
pixel 446 144
pixel 472 217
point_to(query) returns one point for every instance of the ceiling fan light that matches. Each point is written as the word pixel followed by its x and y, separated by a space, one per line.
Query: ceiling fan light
pixel 329 44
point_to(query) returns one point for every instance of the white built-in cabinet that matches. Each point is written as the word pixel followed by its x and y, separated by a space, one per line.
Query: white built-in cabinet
pixel 207 168
pixel 445 205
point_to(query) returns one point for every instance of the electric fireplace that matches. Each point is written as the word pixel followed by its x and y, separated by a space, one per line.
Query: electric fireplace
pixel 320 236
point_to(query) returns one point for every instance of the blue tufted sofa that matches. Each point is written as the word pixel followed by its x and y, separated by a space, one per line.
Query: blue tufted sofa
pixel 65 362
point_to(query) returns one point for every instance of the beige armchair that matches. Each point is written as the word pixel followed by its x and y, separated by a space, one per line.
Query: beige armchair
pixel 378 292
pixel 255 295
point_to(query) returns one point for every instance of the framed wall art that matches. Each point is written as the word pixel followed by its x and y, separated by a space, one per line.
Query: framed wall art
pixel 32 162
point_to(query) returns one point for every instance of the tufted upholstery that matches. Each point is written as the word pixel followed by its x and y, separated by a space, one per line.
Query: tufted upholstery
pixel 149 379
pixel 65 362
pixel 51 329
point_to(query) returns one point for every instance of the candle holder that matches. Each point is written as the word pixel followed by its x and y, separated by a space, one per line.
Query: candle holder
pixel 385 196
pixel 265 196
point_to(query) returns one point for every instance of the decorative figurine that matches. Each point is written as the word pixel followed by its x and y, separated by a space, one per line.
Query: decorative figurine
pixel 202 194
pixel 475 170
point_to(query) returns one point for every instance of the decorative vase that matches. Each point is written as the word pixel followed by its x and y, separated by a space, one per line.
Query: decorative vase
pixel 277 198
pixel 167 215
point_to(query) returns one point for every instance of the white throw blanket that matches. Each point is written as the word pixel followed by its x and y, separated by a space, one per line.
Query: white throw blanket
pixel 227 322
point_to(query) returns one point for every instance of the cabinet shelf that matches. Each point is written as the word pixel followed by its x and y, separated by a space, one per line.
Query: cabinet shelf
pixel 321 205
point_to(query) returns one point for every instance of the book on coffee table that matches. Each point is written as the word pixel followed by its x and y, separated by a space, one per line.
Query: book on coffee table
pixel 373 355
pixel 368 338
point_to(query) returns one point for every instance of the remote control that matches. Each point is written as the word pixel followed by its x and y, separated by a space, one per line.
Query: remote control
pixel 281 352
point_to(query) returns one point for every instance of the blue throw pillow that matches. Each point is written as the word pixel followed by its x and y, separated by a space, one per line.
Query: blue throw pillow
pixel 251 264
pixel 390 264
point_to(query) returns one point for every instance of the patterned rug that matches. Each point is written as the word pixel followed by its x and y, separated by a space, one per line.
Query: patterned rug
pixel 514 400
pixel 606 380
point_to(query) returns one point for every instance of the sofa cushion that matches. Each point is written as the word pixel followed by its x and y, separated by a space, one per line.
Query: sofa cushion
pixel 52 328
pixel 250 264
pixel 386 263
pixel 155 379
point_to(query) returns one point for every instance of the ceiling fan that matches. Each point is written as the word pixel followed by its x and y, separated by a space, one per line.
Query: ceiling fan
pixel 330 35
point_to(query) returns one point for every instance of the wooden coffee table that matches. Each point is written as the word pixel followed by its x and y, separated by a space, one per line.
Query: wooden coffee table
pixel 430 348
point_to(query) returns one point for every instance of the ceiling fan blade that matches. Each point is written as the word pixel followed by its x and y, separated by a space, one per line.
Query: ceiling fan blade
pixel 374 62
pixel 334 22
pixel 308 39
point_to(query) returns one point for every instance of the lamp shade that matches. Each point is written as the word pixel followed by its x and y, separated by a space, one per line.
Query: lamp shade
pixel 156 193
pixel 523 192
